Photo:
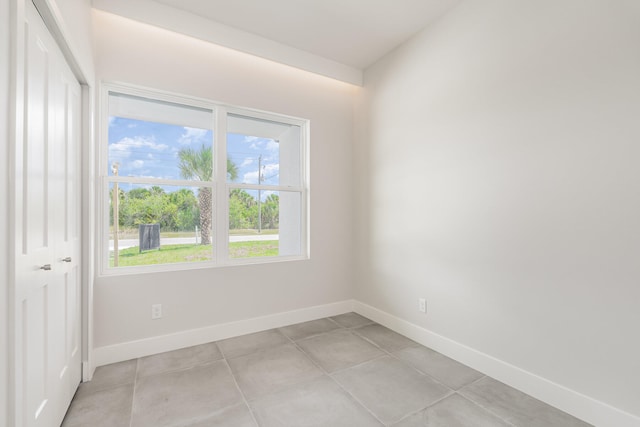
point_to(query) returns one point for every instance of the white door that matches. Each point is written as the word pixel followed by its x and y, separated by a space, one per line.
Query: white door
pixel 47 278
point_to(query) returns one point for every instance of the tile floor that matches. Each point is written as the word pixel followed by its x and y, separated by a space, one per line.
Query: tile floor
pixel 340 371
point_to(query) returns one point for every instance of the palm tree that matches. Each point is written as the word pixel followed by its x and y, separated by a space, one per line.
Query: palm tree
pixel 198 165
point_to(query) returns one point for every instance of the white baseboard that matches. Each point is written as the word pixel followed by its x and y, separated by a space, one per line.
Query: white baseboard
pixel 586 408
pixel 87 371
pixel 154 345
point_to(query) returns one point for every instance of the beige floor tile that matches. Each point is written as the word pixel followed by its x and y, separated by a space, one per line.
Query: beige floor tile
pixel 184 396
pixel 517 407
pixel 316 403
pixel 308 329
pixel 235 416
pixel 109 376
pixel 339 349
pixel 390 389
pixel 385 338
pixel 453 411
pixel 446 370
pixel 250 343
pixel 351 320
pixel 103 408
pixel 270 370
pixel 178 359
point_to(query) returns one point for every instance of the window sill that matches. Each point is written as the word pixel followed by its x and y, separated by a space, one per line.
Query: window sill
pixel 167 268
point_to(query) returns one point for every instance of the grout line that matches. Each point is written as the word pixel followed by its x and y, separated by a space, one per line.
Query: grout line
pixel 470 399
pixel 449 393
pixel 244 398
pixel 474 381
pixel 337 371
pixel 219 347
pixel 355 399
pixel 339 328
pixel 333 321
pixel 435 402
pixel 268 347
pixel 133 395
pixel 329 375
pixel 182 369
pixel 425 374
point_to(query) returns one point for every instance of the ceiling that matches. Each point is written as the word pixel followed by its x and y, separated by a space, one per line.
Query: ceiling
pixel 352 32
pixel 337 38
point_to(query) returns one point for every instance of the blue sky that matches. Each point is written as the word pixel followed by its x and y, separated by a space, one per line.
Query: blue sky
pixel 150 150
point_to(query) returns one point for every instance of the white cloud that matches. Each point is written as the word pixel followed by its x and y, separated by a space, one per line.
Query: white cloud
pixel 268 172
pixel 192 135
pixel 264 144
pixel 273 145
pixel 124 149
pixel 111 120
pixel 250 177
pixel 246 162
pixel 248 138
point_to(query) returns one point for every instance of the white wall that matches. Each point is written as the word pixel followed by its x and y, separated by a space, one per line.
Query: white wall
pixel 137 53
pixel 4 207
pixel 499 177
pixel 73 18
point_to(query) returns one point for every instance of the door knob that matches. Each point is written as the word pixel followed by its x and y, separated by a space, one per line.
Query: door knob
pixel 46 267
pixel 67 259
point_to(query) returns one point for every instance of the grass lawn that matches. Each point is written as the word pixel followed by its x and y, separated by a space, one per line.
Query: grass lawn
pixel 192 253
pixel 253 249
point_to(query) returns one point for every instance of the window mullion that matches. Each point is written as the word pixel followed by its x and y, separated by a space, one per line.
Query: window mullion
pixel 265 187
pixel 158 181
pixel 221 201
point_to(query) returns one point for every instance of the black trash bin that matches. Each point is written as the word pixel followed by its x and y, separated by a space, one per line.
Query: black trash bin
pixel 149 236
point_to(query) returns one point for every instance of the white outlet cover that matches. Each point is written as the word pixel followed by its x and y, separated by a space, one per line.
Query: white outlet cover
pixel 156 311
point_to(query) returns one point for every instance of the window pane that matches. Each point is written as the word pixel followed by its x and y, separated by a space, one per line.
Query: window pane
pixel 264 223
pixel 159 224
pixel 263 152
pixel 155 139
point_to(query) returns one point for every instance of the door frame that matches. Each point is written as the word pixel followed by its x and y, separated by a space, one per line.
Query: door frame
pixel 55 23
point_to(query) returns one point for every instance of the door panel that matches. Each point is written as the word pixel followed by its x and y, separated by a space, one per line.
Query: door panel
pixel 34 358
pixel 36 151
pixel 47 299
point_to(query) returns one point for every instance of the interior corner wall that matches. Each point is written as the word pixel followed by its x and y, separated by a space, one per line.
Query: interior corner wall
pixel 136 53
pixel 498 161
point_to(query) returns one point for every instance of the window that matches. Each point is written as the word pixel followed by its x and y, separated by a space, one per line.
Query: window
pixel 189 183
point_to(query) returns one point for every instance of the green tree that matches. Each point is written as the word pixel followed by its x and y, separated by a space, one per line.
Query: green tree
pixel 240 209
pixel 198 165
pixel 188 213
pixel 271 212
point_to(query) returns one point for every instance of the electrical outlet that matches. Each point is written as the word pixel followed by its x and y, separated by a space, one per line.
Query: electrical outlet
pixel 156 311
pixel 422 305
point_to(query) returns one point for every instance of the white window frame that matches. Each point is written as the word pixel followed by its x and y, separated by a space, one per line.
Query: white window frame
pixel 219 185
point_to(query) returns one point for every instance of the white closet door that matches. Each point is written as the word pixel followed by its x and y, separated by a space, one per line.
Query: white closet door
pixel 47 289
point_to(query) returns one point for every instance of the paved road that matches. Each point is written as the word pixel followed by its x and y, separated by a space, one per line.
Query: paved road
pixel 128 243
